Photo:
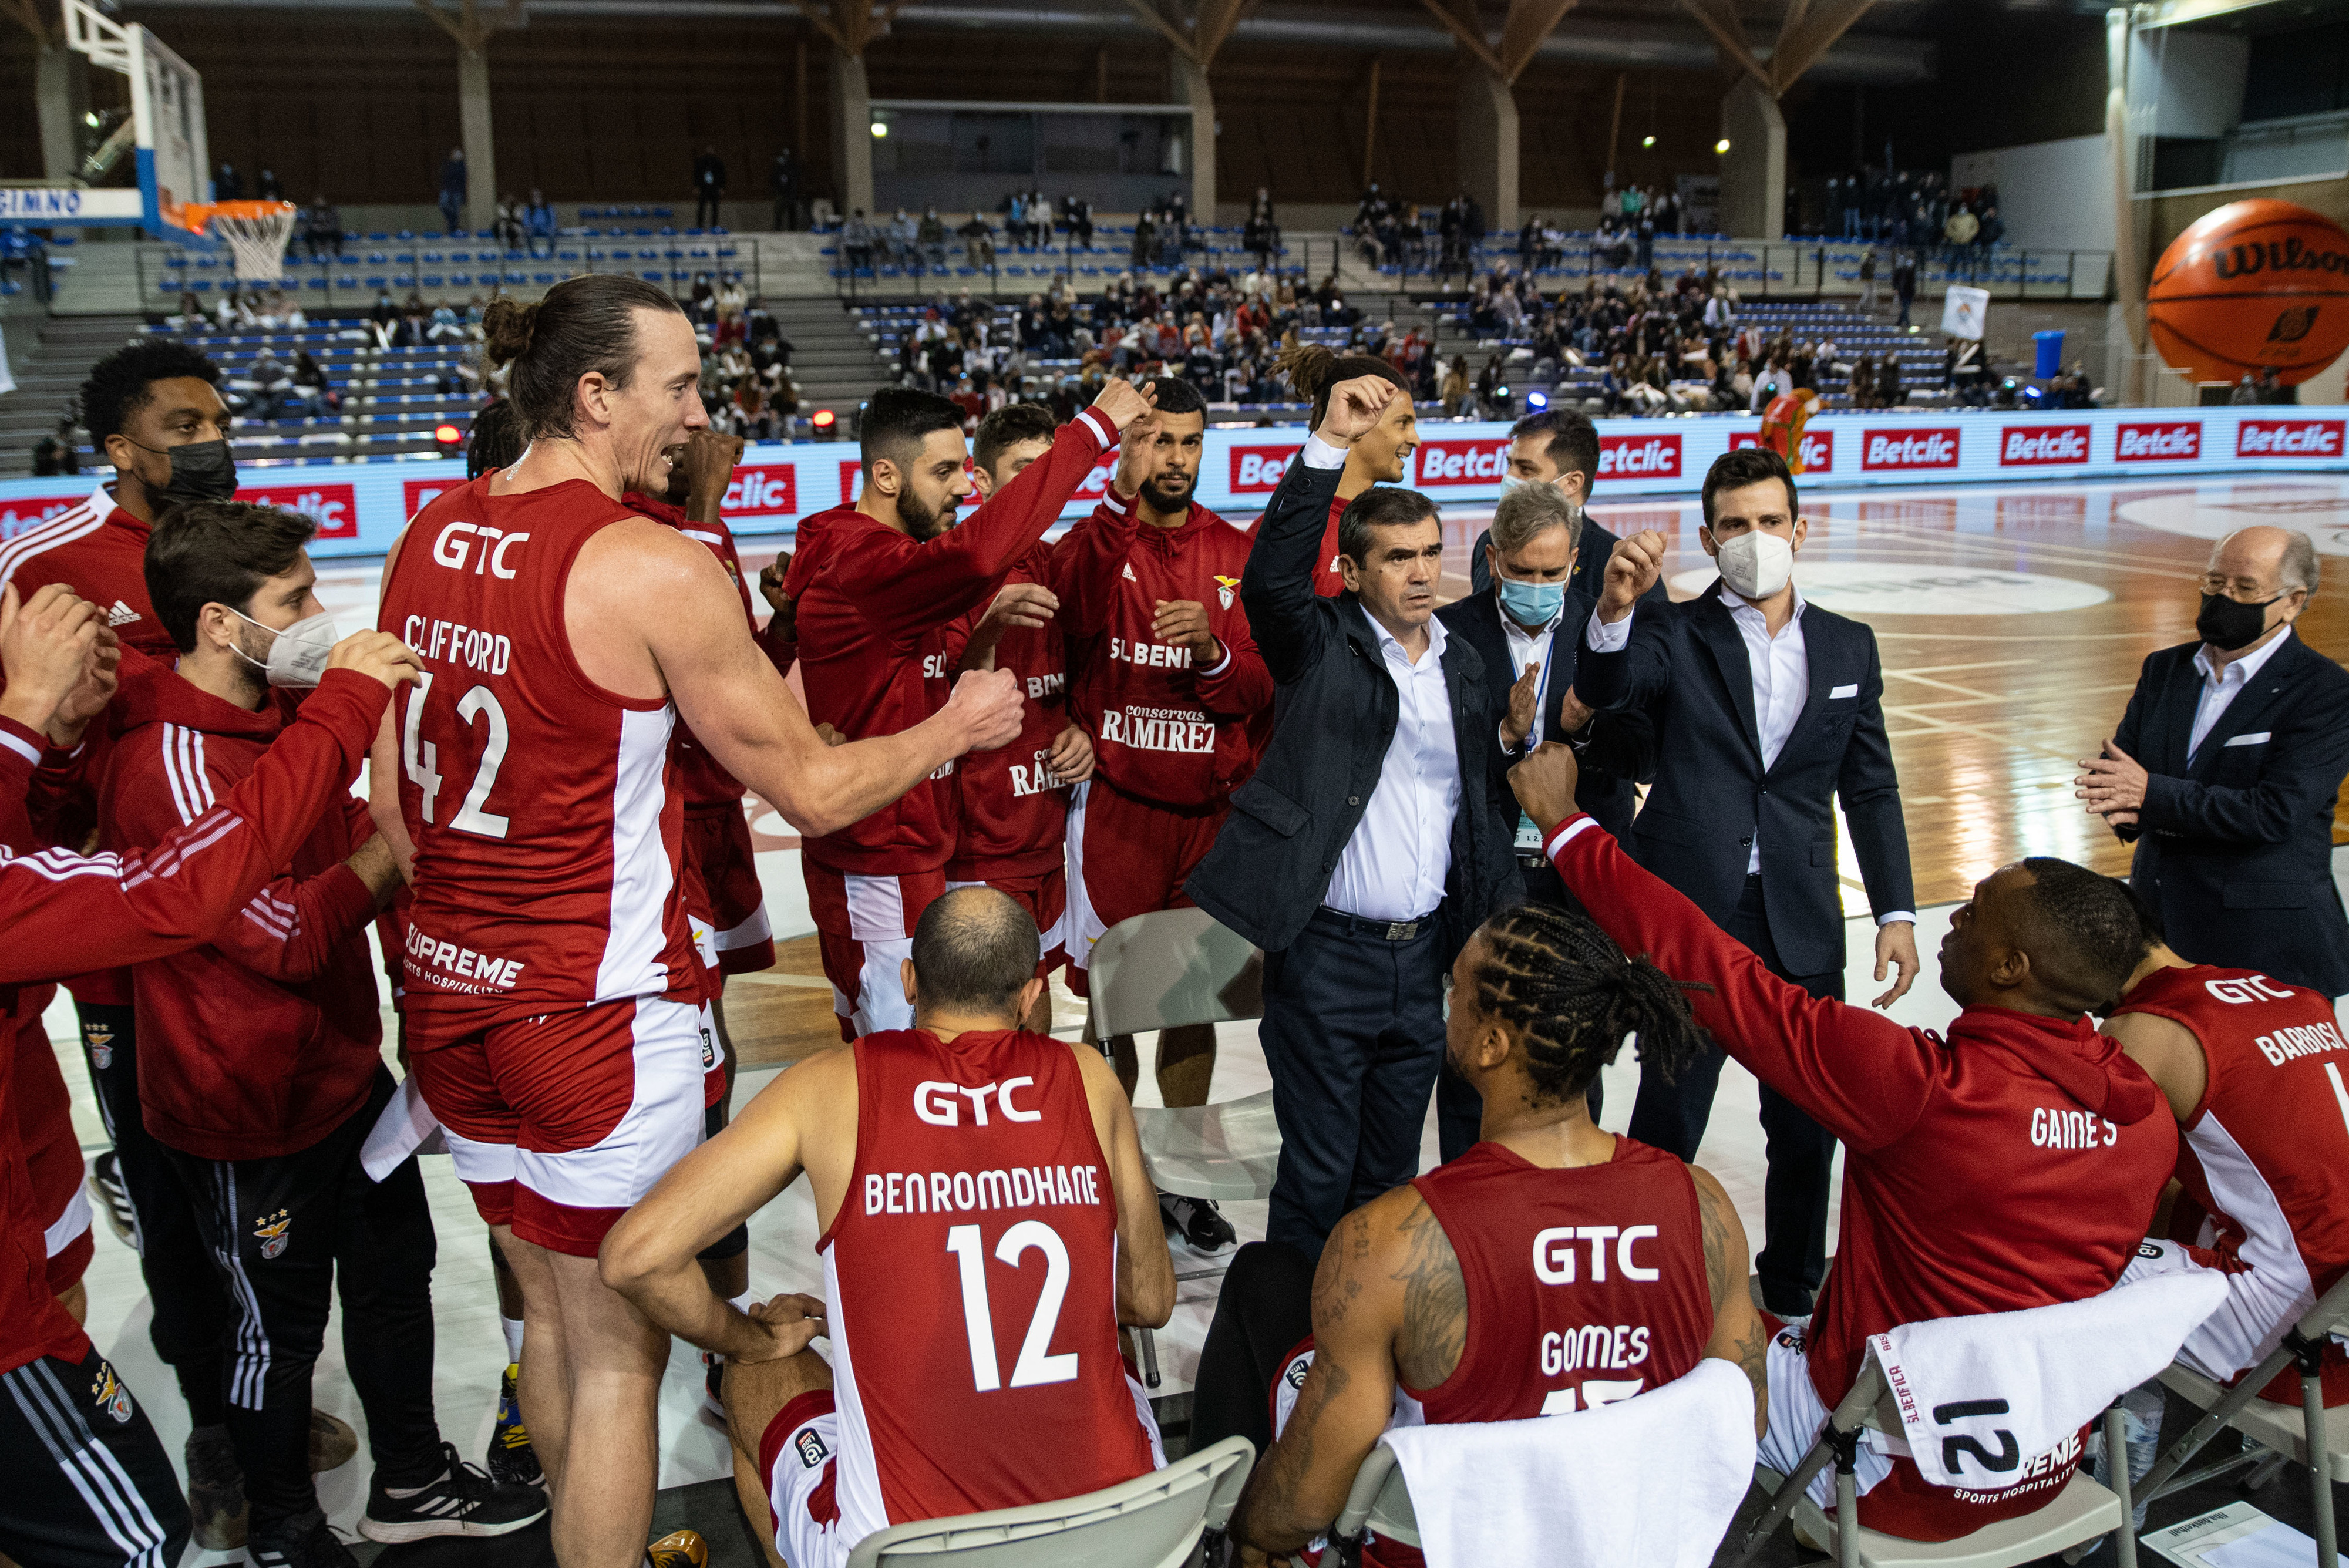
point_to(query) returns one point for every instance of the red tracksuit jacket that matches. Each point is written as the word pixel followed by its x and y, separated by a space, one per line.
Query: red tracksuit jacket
pixel 266 1039
pixel 1162 730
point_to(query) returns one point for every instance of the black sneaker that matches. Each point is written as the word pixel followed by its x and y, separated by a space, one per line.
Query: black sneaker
pixel 114 1198
pixel 304 1541
pixel 215 1489
pixel 512 1459
pixel 463 1501
pixel 1197 1221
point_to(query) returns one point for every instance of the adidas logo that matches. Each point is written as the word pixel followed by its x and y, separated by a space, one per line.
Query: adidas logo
pixel 1128 573
pixel 120 615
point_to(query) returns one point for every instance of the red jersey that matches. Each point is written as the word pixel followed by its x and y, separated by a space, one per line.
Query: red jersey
pixel 709 788
pixel 2015 1164
pixel 978 1180
pixel 2266 1152
pixel 1610 1311
pixel 1015 809
pixel 100 551
pixel 1162 731
pixel 880 631
pixel 547 816
pixel 120 909
pixel 263 1041
pixel 1328 580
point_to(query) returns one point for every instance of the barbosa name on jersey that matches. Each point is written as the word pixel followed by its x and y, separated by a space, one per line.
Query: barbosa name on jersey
pixel 2297 1040
pixel 1159 730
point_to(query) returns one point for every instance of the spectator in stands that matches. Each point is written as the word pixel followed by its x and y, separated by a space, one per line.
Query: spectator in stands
pixel 2272 387
pixel 538 223
pixel 931 235
pixel 192 316
pixel 322 228
pixel 856 241
pixel 1888 382
pixel 53 453
pixel 507 226
pixel 1145 241
pixel 1079 213
pixel 310 386
pixel 452 189
pixel 708 187
pixel 1904 282
pixel 1994 229
pixel 270 378
pixel 783 181
pixel 228 185
pixel 903 231
pixel 1959 229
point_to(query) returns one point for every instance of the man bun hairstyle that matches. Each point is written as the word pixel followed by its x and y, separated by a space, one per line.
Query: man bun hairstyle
pixel 217 552
pixel 1381 506
pixel 1177 396
pixel 1748 465
pixel 1553 976
pixel 1573 446
pixel 1006 427
pixel 1529 511
pixel 974 948
pixel 2083 931
pixel 1313 369
pixel 585 325
pixel 117 387
pixel 899 419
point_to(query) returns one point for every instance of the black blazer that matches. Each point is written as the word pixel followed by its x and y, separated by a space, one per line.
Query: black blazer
pixel 1686 666
pixel 1616 750
pixel 1334 713
pixel 2236 847
pixel 1595 543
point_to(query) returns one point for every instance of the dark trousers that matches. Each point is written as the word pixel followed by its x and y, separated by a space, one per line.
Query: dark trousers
pixel 88 1484
pixel 1672 1116
pixel 280 1230
pixel 705 208
pixel 191 1306
pixel 1352 1030
pixel 1459 1109
pixel 1265 1311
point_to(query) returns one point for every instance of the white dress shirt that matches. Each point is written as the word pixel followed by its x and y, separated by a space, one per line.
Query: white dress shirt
pixel 1394 866
pixel 1782 684
pixel 2221 684
pixel 1524 646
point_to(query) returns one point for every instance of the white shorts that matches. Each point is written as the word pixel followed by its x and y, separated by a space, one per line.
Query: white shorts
pixel 1797 1416
pixel 2259 1306
pixel 799 1455
pixel 865 932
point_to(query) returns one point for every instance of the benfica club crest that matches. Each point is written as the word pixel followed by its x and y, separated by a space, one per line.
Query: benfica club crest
pixel 272 1233
pixel 109 1396
pixel 99 1038
pixel 1224 587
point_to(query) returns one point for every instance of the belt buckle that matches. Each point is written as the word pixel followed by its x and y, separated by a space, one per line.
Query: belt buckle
pixel 1402 931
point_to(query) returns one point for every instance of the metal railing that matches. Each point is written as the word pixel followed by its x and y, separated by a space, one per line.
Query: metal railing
pixel 915 269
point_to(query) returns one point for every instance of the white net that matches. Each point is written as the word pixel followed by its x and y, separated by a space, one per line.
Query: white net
pixel 258 242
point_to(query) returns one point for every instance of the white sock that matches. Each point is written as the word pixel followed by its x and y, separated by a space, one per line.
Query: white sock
pixel 513 1325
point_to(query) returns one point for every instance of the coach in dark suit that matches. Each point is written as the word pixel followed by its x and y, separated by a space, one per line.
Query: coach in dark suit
pixel 1558 448
pixel 1367 846
pixel 1765 709
pixel 2225 768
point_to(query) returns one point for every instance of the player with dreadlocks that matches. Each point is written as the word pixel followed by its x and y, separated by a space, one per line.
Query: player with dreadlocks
pixel 1483 1290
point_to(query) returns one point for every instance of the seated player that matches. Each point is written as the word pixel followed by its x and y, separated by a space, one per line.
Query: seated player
pixel 963 1161
pixel 2252 1068
pixel 1426 1309
pixel 2011 1165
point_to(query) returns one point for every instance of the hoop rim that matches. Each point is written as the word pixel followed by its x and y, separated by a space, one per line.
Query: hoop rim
pixel 195 215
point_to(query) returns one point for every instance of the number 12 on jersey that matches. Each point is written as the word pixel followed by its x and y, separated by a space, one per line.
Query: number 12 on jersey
pixel 1034 1366
pixel 420 757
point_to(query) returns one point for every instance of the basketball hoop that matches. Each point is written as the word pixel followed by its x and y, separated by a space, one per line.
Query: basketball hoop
pixel 256 233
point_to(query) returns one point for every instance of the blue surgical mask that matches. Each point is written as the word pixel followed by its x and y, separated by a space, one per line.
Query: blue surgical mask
pixel 1530 604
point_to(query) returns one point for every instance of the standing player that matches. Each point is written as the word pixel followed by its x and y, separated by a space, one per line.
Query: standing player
pixel 965 1162
pixel 553 1000
pixel 1380 457
pixel 1015 802
pixel 1171 688
pixel 879 636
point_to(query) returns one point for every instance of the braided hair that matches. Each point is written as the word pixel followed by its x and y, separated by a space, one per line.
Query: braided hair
pixel 1567 989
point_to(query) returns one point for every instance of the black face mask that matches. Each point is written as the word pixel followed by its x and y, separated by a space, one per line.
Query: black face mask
pixel 2228 624
pixel 200 470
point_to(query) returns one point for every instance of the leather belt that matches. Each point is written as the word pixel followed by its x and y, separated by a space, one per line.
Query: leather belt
pixel 1386 930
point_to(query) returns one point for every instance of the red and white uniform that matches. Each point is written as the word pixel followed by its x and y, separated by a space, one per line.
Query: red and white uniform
pixel 1170 741
pixel 52 1149
pixel 1328 580
pixel 2265 1159
pixel 979 1184
pixel 880 631
pixel 120 909
pixel 2012 1165
pixel 553 997
pixel 1015 809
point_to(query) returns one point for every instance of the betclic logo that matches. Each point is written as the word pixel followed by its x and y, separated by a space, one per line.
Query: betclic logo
pixel 2288 438
pixel 1906 449
pixel 761 489
pixel 1818 449
pixel 2030 446
pixel 1464 461
pixel 1256 470
pixel 2175 440
pixel 334 508
pixel 1640 457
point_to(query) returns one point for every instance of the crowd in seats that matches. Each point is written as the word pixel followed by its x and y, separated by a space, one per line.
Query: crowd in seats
pixel 1162 239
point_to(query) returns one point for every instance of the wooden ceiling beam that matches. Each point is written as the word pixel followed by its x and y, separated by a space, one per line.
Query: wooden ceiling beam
pixel 1719 19
pixel 1465 34
pixel 1529 26
pixel 1811 30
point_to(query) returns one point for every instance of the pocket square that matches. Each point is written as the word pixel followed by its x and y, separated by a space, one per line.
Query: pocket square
pixel 2259 738
pixel 1852 690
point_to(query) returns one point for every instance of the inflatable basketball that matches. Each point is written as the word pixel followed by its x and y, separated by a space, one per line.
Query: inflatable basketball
pixel 2253 285
pixel 1782 422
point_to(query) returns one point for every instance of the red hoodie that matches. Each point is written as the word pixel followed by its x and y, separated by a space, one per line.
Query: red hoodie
pixel 1163 732
pixel 264 1041
pixel 1015 810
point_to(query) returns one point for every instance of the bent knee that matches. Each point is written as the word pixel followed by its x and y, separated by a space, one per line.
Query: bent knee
pixel 755 1393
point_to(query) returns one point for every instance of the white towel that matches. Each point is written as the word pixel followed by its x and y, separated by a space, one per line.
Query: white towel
pixel 1653 1480
pixel 399 1130
pixel 1983 1398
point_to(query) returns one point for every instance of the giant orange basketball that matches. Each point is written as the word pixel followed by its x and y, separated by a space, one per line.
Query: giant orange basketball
pixel 2253 285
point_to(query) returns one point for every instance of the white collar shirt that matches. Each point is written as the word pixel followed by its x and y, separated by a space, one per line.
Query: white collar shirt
pixel 1524 646
pixel 1395 865
pixel 1782 682
pixel 2221 684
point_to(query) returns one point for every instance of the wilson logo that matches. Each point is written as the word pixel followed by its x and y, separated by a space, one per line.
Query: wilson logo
pixel 2030 446
pixel 2288 438
pixel 2158 443
pixel 1909 449
pixel 1640 457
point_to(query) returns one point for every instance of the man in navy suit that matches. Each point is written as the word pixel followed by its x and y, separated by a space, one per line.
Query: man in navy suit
pixel 2225 769
pixel 1766 709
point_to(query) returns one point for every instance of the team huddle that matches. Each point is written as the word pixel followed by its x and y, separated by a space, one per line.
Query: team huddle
pixel 1007 749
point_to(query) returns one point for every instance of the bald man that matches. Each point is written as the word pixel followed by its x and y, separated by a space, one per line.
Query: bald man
pixel 2224 769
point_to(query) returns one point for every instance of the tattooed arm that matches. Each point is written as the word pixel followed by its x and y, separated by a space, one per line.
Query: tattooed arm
pixel 1388 1295
pixel 1738 1336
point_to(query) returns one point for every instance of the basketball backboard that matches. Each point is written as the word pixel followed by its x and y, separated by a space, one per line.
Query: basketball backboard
pixel 167 112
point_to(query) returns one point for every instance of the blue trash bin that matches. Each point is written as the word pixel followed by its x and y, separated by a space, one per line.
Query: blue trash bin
pixel 2049 346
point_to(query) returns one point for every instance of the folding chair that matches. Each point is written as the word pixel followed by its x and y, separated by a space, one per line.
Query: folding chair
pixel 1378 1503
pixel 2080 1513
pixel 2313 1429
pixel 1164 971
pixel 1151 1521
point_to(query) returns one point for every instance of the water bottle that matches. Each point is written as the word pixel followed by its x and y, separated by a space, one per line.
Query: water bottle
pixel 2141 1409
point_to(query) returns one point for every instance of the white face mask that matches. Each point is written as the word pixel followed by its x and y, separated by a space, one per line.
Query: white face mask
pixel 1756 564
pixel 298 656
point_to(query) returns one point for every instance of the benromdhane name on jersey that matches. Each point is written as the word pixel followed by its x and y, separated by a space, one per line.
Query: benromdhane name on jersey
pixel 451 968
pixel 960 1191
pixel 1155 730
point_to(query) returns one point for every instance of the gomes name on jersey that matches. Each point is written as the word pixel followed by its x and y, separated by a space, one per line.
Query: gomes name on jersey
pixel 1159 730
